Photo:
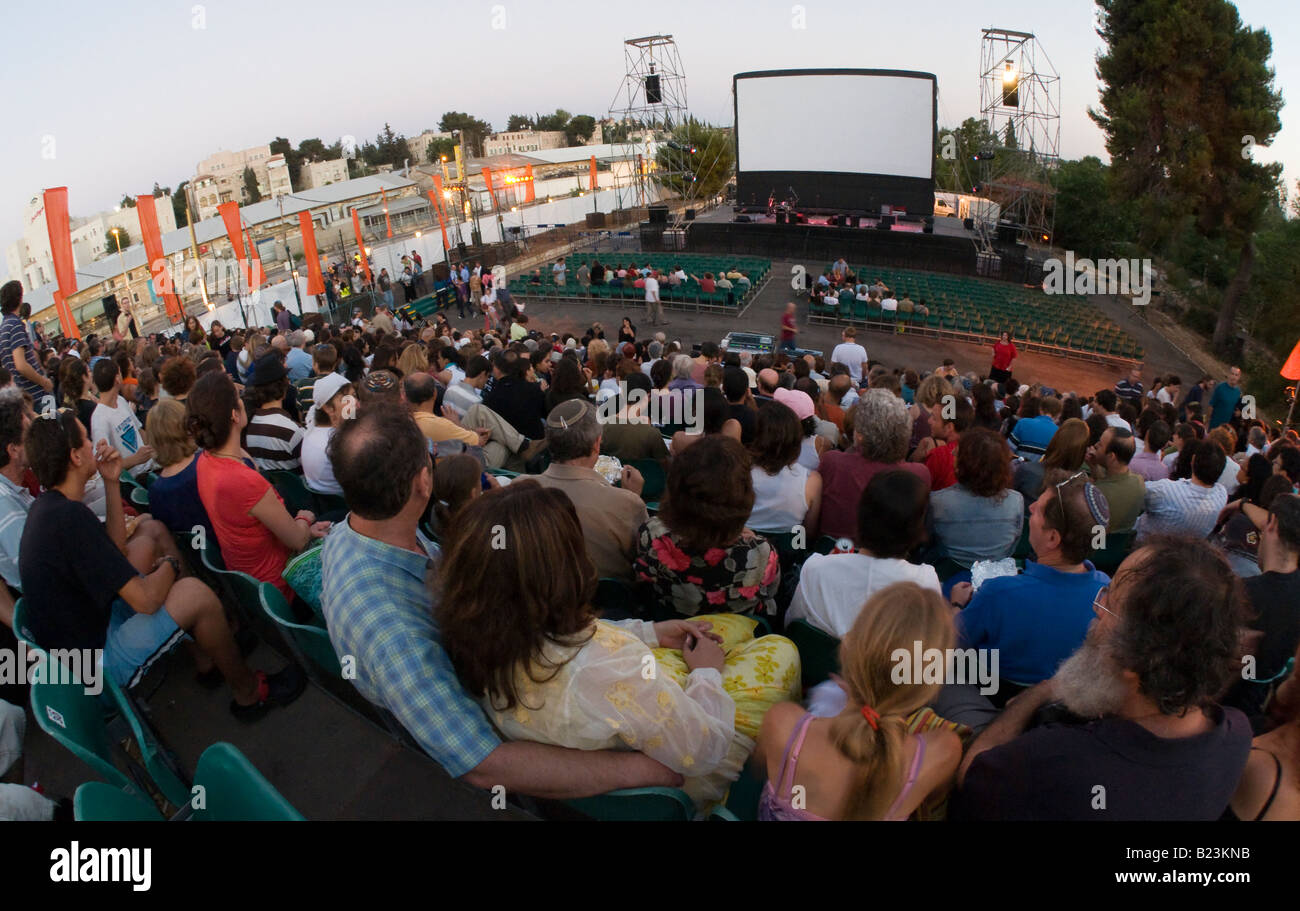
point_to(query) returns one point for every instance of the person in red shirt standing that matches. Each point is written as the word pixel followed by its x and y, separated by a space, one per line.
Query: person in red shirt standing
pixel 789 327
pixel 1004 352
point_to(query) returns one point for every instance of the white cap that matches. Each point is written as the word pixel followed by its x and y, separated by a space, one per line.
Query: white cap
pixel 327 387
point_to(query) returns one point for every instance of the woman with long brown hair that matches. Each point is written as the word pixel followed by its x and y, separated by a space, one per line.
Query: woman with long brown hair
pixel 863 764
pixel 515 618
pixel 1066 451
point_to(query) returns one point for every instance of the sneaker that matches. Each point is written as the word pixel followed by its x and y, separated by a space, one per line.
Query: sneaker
pixel 272 689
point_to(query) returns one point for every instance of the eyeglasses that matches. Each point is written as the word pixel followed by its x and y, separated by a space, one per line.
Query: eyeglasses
pixel 1098 603
pixel 1060 499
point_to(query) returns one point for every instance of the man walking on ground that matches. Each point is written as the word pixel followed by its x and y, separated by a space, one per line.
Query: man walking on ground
pixel 654 309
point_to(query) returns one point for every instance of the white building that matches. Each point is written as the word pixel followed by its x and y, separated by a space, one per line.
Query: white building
pixel 30 261
pixel 419 145
pixel 278 180
pixel 523 142
pixel 220 178
pixel 323 173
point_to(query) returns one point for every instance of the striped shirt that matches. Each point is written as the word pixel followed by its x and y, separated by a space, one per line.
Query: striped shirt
pixel 1180 508
pixel 13 335
pixel 274 440
pixel 15 501
pixel 378 608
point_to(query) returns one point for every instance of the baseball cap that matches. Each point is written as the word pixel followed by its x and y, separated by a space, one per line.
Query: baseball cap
pixel 327 387
pixel 796 401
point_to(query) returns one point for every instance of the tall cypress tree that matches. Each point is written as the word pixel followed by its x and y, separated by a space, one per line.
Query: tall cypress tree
pixel 1186 93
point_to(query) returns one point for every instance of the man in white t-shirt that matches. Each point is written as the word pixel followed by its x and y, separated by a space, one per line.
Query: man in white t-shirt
pixel 850 354
pixel 654 310
pixel 114 420
pixel 889 304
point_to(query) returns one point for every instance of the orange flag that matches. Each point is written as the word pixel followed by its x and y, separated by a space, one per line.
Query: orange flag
pixel 256 274
pixel 229 212
pixel 58 227
pixel 388 223
pixel 1291 369
pixel 487 179
pixel 146 208
pixel 594 182
pixel 315 281
pixel 437 213
pixel 361 247
pixel 528 176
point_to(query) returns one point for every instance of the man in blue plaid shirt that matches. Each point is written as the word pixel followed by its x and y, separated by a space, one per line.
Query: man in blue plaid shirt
pixel 377 594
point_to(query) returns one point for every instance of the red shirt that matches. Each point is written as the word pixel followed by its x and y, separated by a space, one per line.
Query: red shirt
pixel 942 464
pixel 229 490
pixel 787 327
pixel 708 285
pixel 1003 355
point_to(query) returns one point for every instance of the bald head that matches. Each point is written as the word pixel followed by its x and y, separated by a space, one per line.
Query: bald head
pixel 768 380
pixel 280 343
pixel 421 391
pixel 839 387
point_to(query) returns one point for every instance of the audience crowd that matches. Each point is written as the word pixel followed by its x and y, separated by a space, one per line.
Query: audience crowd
pixel 570 564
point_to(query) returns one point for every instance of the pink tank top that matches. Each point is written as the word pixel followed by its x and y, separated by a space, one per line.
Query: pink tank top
pixel 774 806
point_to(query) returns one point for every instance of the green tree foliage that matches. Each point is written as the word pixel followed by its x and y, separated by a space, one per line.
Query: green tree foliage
pixel 440 147
pixel 473 130
pixel 519 122
pixel 557 121
pixel 699 173
pixel 128 201
pixel 178 204
pixel 579 129
pixel 250 186
pixel 120 240
pixel 1089 220
pixel 1186 91
pixel 954 169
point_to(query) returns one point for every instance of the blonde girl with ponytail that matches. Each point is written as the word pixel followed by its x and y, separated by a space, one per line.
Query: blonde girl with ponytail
pixel 863 764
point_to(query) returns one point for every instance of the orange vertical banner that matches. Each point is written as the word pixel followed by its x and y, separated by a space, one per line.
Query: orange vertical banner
pixel 315 281
pixel 437 213
pixel 528 176
pixel 146 208
pixel 487 179
pixel 256 274
pixel 59 228
pixel 229 212
pixel 361 247
pixel 594 182
pixel 388 222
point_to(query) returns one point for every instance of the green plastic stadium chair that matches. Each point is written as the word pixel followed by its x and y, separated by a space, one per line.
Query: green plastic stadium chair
pixel 76 720
pixel 163 767
pixel 637 805
pixel 1118 544
pixel 291 488
pixel 819 654
pixel 235 791
pixel 99 802
pixel 21 628
pixel 655 478
pixel 311 641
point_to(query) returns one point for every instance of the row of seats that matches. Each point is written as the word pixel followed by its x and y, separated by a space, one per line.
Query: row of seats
pixel 984 308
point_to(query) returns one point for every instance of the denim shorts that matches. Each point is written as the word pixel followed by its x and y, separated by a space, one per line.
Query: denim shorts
pixel 136 641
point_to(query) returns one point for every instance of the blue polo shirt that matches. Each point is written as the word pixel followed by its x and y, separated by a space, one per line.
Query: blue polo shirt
pixel 1029 438
pixel 1035 620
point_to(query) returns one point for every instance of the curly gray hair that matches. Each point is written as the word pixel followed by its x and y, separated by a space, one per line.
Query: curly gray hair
pixel 882 426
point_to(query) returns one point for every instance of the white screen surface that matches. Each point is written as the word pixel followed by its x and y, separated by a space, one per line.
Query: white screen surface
pixel 847 122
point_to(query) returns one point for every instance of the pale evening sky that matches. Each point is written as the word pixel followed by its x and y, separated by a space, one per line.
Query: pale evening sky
pixel 133 93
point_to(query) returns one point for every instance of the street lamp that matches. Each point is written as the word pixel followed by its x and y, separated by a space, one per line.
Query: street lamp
pixel 130 295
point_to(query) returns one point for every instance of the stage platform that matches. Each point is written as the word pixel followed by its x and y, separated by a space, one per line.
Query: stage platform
pixel 951 248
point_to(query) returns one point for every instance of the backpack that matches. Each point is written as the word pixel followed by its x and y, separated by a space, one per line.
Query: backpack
pixel 294 321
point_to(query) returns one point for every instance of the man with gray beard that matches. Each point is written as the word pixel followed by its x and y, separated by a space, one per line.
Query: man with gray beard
pixel 1151 741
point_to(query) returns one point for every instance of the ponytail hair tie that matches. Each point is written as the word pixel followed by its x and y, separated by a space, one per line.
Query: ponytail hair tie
pixel 872 716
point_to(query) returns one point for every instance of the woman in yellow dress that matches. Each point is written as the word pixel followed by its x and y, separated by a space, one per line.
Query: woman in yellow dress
pixel 515 618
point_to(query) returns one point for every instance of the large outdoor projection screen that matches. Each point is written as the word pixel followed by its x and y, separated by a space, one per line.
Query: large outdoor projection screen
pixel 851 141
